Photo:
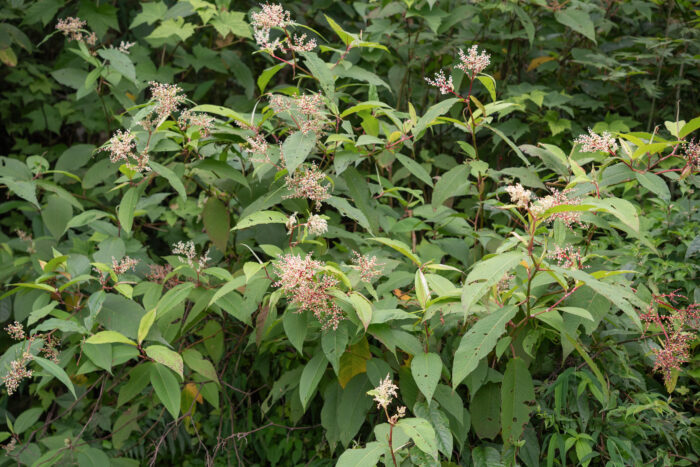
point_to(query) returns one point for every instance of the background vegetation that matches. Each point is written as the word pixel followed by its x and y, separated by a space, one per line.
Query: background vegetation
pixel 227 243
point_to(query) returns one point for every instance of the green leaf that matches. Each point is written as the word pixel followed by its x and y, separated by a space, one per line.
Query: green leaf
pixel 485 275
pixel 426 369
pixel 479 341
pixel 167 357
pixel 655 184
pixel 689 127
pixel 508 141
pixel 267 75
pixel 99 354
pixel 319 69
pixel 490 84
pixel 56 215
pixel 517 400
pixel 261 217
pixel 109 337
pixel 422 289
pixel 365 457
pixel 416 169
pixel 196 362
pixel 577 20
pixel 440 423
pixel 333 343
pixel 296 148
pixel 310 377
pixel 171 177
pixel 217 222
pixel 173 297
pixel 125 213
pixel 454 182
pixel 26 419
pixel 363 307
pixel 422 433
pixel 56 371
pixel 167 388
pixel 295 327
pixel 484 409
pixel 399 246
pixel 433 113
pixel 145 325
pixel 120 62
pixel 172 27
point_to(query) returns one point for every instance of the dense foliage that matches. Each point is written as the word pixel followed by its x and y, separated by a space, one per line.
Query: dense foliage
pixel 416 232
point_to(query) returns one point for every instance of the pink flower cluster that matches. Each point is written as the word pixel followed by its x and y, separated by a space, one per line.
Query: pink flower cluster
pixel 558 198
pixel 472 63
pixel 593 142
pixel 120 267
pixel 366 265
pixel 306 111
pixel 567 257
pixel 187 254
pixel 675 349
pixel 275 16
pixel 203 121
pixel 300 281
pixel 74 28
pixel 167 97
pixel 306 183
pixel 122 147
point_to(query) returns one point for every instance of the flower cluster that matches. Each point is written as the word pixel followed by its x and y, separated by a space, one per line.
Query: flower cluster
pixel 122 147
pixel 16 331
pixel 366 265
pixel 307 184
pixel 504 283
pixel 524 199
pixel 203 121
pixel 125 46
pixel 160 274
pixel 444 84
pixel 384 394
pixel 692 155
pixel 306 111
pixel 473 62
pixel 167 97
pixel 275 16
pixel 317 225
pixel 593 142
pixel 305 288
pixel 558 198
pixel 120 267
pixel 519 195
pixel 675 349
pixel 567 257
pixel 187 254
pixel 74 28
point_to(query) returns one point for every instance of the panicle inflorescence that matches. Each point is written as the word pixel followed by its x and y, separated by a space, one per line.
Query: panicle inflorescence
pixel 122 147
pixel 366 265
pixel 188 254
pixel 301 281
pixel 74 28
pixel 203 121
pixel 567 257
pixel 275 16
pixel 384 393
pixel 167 97
pixel 307 111
pixel 558 198
pixel 444 84
pixel 306 183
pixel 675 339
pixel 317 225
pixel 692 155
pixel 519 195
pixel 160 274
pixel 473 62
pixel 126 263
pixel 593 142
pixel 15 330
